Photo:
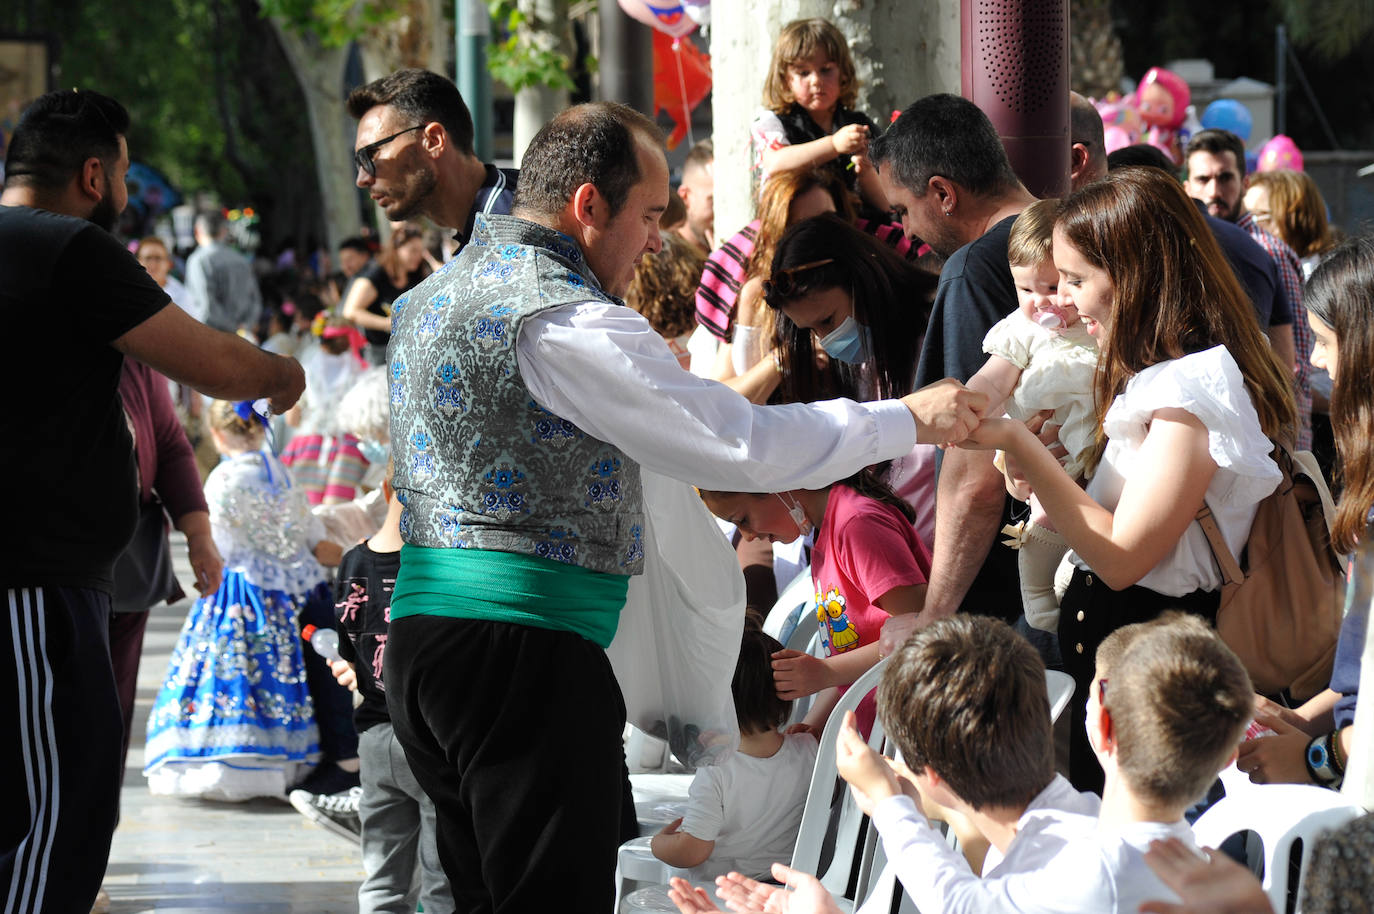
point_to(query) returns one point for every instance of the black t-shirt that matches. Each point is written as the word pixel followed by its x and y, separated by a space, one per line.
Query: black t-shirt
pixel 1256 272
pixel 387 293
pixel 975 292
pixel 67 290
pixel 362 604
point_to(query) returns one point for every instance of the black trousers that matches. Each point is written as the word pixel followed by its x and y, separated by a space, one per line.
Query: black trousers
pixel 60 744
pixel 1089 612
pixel 515 734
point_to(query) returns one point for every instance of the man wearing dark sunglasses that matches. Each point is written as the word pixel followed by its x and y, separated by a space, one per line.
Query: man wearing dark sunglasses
pixel 74 495
pixel 414 153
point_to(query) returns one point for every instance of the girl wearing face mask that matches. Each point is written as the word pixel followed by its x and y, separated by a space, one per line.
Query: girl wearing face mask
pixel 850 317
pixel 746 362
pixel 867 564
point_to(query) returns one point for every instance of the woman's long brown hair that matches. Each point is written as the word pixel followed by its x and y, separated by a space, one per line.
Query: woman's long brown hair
pixel 1175 293
pixel 1341 295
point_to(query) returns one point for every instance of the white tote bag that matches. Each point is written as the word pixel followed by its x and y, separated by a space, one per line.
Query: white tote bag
pixel 675 650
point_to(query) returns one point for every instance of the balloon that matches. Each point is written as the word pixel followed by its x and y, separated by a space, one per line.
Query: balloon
pixel 682 79
pixel 699 10
pixel 666 16
pixel 1115 138
pixel 1162 98
pixel 1229 114
pixel 1280 153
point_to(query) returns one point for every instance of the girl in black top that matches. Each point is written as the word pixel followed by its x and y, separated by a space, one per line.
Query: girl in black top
pixel 399 267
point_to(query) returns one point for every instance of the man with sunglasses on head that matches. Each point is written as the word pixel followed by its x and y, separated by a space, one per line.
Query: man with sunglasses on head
pixel 415 157
pixel 72 503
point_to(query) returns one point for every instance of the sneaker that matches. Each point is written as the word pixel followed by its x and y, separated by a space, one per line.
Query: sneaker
pixel 333 812
pixel 327 778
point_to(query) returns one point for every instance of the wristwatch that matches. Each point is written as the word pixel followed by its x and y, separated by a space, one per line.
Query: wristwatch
pixel 1322 765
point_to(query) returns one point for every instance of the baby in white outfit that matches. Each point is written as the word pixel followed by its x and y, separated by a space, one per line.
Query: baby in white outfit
pixel 1041 358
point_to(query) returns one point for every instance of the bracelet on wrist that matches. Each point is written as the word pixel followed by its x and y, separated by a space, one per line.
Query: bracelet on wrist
pixel 1338 758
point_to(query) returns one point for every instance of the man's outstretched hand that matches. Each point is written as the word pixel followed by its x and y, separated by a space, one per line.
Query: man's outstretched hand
pixel 945 412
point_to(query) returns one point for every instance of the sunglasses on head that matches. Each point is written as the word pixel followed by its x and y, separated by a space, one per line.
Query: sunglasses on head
pixel 784 283
pixel 363 157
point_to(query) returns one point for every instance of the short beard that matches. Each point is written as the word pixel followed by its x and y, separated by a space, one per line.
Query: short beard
pixel 419 187
pixel 104 214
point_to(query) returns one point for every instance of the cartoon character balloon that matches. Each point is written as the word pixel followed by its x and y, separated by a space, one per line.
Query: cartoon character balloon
pixel 1280 153
pixel 1162 99
pixel 667 16
pixel 1120 120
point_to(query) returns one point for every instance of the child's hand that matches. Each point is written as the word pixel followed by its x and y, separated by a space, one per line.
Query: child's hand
pixel 346 675
pixel 867 773
pixel 672 827
pixel 1217 885
pixel 688 898
pixel 800 893
pixel 850 140
pixel 797 674
pixel 802 727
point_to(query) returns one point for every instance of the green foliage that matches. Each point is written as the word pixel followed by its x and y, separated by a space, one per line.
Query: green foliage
pixel 522 59
pixel 1332 28
pixel 334 22
pixel 212 101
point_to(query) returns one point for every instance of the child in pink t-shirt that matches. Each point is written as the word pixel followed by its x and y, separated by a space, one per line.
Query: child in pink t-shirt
pixel 867 564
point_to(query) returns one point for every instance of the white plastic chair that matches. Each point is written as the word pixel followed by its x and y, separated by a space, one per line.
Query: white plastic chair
pixel 798 594
pixel 1281 815
pixel 835 852
pixel 1060 688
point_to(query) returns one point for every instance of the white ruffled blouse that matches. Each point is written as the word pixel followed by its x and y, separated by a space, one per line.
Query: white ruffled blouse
pixel 1209 386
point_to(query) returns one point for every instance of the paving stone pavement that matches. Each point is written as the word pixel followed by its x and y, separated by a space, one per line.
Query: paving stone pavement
pixel 178 856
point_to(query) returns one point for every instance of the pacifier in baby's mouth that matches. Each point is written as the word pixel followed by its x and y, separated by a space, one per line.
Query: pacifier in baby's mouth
pixel 1050 320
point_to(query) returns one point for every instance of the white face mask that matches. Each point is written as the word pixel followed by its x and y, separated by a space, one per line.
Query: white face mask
pixel 794 511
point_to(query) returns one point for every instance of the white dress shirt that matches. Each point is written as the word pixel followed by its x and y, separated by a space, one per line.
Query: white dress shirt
pixel 1099 873
pixel 603 368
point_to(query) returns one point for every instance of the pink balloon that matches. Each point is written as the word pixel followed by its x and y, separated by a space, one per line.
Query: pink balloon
pixel 1280 153
pixel 1116 137
pixel 666 16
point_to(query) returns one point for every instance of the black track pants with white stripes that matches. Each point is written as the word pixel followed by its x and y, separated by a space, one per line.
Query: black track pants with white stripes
pixel 60 732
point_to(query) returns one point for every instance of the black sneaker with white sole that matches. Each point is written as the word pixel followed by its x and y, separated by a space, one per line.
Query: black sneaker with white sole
pixel 334 812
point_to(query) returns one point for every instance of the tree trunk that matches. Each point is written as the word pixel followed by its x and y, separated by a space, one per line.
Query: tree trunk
pixel 419 36
pixel 901 51
pixel 1095 58
pixel 319 70
pixel 548 29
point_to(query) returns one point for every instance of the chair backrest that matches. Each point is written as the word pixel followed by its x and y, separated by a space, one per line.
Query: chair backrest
pixel 1060 688
pixel 789 614
pixel 1282 816
pixel 829 800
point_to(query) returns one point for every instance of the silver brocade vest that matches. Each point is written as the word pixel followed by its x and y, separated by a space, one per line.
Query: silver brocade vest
pixel 479 464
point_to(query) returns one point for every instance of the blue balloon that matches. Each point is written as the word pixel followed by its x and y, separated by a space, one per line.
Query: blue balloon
pixel 1229 114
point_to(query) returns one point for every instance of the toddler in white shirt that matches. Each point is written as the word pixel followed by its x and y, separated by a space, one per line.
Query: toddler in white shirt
pixel 743 814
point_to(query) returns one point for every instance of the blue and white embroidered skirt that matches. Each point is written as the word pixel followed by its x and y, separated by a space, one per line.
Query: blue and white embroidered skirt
pixel 234 719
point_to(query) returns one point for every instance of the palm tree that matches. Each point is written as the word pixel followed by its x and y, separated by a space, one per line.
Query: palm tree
pixel 1095 57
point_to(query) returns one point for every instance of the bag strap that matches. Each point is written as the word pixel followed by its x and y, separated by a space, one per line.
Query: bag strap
pixel 1230 568
pixel 1231 572
pixel 1305 463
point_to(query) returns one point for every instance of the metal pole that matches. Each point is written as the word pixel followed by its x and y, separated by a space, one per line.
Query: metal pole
pixel 1281 80
pixel 472 28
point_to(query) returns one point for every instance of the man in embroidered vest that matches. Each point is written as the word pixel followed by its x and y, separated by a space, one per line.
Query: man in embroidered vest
pixel 525 398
